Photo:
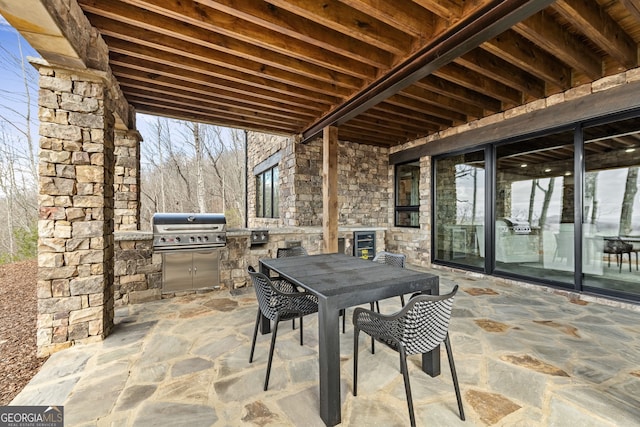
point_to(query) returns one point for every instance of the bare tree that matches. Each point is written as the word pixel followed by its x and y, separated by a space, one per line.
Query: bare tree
pixel 630 191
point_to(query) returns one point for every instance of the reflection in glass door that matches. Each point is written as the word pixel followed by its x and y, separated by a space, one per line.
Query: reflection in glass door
pixel 534 209
pixel 459 182
pixel 611 207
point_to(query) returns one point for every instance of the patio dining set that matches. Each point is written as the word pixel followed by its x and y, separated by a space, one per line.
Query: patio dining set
pixel 329 283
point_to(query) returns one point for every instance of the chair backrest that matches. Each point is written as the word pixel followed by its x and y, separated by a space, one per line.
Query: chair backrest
pixel 424 321
pixel 294 251
pixel 389 258
pixel 265 293
pixel 614 245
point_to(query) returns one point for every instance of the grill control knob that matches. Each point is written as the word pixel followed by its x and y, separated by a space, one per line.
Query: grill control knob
pixel 191 239
pixel 205 238
pixel 177 239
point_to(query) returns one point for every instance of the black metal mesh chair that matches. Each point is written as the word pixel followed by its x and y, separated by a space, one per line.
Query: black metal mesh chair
pixel 389 258
pixel 301 251
pixel 617 247
pixel 277 301
pixel 419 327
pixel 294 251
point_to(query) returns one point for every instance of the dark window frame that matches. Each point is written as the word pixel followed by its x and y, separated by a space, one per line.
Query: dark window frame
pixel 268 208
pixel 398 209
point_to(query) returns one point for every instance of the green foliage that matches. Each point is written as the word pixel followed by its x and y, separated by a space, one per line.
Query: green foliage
pixel 27 245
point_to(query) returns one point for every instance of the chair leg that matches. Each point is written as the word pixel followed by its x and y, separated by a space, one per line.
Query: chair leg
pixel 373 342
pixel 273 344
pixel 343 313
pixel 407 385
pixel 300 330
pixel 356 332
pixel 402 300
pixel 255 335
pixel 454 376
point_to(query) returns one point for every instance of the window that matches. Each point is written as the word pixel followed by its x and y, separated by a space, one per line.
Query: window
pixel 408 195
pixel 267 199
pixel 459 215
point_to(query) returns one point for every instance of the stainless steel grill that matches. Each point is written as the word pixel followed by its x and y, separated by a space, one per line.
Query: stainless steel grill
pixel 190 245
pixel 188 231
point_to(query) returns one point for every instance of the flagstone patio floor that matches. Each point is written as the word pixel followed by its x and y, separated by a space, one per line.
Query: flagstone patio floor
pixel 525 356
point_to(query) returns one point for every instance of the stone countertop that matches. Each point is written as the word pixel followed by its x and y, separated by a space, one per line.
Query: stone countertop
pixel 239 232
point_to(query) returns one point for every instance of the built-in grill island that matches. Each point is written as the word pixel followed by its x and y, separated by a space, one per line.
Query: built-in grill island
pixel 190 244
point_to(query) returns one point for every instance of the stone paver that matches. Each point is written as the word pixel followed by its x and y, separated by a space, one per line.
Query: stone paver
pixel 525 356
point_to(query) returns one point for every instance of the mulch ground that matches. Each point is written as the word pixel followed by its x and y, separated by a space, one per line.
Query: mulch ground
pixel 18 309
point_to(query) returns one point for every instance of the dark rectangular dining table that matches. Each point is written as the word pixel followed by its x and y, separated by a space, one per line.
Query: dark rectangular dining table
pixel 342 281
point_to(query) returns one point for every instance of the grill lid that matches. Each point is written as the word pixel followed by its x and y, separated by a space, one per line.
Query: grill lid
pixel 189 219
pixel 177 231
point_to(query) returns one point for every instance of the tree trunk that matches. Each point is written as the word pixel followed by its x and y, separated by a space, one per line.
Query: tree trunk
pixel 630 190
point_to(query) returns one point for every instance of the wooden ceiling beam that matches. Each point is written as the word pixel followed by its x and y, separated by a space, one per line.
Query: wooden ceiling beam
pixel 460 93
pixel 234 69
pixel 156 70
pixel 421 93
pixel 497 69
pixel 258 79
pixel 396 125
pixel 224 32
pixel 282 126
pixel 420 117
pixel 633 6
pixel 545 32
pixel 468 78
pixel 154 91
pixel 232 54
pixel 179 114
pixel 283 22
pixel 449 10
pixel 148 98
pixel 589 18
pixel 220 97
pixel 529 57
pixel 407 16
pixel 492 19
pixel 351 22
pixel 425 108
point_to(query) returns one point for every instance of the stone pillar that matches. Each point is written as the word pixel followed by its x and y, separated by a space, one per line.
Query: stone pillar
pixel 127 180
pixel 75 246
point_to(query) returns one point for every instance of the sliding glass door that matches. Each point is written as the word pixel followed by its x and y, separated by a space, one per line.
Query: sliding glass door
pixel 534 207
pixel 611 212
pixel 460 207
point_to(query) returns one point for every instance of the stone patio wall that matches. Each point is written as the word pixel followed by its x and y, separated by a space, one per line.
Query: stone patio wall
pixel 365 187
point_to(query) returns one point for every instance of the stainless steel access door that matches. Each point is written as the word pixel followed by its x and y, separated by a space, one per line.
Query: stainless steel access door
pixel 188 270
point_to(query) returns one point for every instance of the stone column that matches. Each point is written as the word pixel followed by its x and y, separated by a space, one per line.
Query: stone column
pixel 75 246
pixel 127 180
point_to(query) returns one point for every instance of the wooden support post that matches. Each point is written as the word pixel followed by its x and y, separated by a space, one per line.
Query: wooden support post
pixel 330 189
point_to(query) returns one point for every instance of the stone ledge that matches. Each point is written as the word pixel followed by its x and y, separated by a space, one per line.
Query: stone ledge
pixel 119 236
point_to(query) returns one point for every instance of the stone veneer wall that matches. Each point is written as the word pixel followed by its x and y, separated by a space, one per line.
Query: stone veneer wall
pixel 75 227
pixel 405 240
pixel 364 189
pixel 127 180
pixel 415 243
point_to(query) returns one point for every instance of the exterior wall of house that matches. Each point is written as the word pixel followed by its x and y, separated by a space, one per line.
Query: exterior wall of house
pixel 416 243
pixel 365 187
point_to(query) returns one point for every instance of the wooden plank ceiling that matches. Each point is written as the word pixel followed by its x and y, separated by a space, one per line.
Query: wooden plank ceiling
pixel 285 66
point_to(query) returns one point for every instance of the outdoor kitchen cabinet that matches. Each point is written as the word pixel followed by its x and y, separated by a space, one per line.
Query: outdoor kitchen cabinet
pixel 189 270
